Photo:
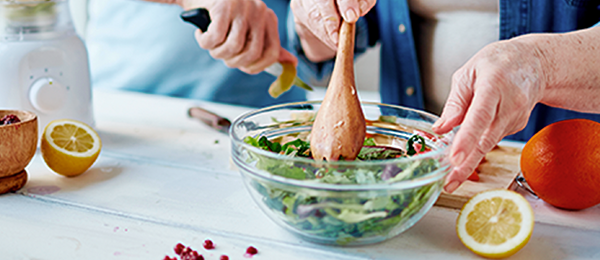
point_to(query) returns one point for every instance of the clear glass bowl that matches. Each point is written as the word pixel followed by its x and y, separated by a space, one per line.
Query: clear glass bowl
pixel 343 202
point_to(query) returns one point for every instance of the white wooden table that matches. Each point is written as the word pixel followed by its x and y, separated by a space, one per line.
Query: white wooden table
pixel 163 178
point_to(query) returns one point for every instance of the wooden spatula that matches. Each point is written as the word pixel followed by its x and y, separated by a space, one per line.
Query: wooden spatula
pixel 339 129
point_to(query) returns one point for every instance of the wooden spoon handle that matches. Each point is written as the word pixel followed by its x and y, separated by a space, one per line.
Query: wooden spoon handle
pixel 344 61
pixel 339 128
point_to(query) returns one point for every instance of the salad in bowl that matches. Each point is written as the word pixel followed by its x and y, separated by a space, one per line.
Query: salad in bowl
pixel 394 181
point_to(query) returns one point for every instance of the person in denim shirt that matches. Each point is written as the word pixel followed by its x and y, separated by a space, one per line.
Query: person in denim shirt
pixel 146 47
pixel 535 75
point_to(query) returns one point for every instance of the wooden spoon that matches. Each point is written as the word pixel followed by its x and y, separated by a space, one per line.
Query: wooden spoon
pixel 339 129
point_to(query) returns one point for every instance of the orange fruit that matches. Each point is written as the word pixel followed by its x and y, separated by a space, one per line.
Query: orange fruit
pixel 561 164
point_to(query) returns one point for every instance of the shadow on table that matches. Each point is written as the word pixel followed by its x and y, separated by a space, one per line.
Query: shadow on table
pixel 51 183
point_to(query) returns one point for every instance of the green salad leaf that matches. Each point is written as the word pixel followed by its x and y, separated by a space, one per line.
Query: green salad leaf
pixel 368 153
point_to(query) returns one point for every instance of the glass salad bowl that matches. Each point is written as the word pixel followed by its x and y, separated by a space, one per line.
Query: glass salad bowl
pixel 364 201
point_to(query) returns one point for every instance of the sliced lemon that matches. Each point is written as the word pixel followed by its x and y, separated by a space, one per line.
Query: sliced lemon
pixel 285 80
pixel 70 147
pixel 495 223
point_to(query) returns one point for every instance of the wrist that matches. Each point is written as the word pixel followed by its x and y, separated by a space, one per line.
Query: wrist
pixel 312 47
pixel 542 62
pixel 546 54
pixel 562 64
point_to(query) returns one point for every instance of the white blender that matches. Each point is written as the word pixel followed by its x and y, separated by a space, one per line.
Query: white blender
pixel 44 65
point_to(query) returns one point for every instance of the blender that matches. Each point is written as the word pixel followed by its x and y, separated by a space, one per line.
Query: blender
pixel 44 66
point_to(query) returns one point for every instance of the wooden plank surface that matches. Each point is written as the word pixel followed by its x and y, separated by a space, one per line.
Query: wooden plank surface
pixel 163 178
pixel 497 171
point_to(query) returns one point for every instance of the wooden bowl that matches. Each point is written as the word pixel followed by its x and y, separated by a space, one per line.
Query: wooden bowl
pixel 18 142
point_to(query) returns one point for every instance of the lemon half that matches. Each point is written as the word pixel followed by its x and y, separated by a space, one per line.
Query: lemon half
pixel 495 223
pixel 70 147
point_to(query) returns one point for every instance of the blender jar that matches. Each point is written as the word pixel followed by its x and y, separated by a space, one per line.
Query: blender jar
pixel 21 19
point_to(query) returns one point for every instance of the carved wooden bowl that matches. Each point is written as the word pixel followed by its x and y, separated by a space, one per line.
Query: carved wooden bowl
pixel 18 142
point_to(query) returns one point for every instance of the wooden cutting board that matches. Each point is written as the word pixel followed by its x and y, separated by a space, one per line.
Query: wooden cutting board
pixel 498 170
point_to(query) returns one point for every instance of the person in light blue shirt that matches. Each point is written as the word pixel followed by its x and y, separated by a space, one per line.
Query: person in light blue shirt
pixel 146 47
pixel 537 74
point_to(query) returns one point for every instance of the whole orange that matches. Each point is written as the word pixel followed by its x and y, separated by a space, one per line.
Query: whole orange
pixel 561 163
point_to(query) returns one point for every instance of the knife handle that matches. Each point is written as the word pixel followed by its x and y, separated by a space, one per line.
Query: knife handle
pixel 198 17
pixel 211 119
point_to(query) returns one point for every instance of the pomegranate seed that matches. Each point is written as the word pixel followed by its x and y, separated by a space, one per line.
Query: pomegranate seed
pixel 251 250
pixel 179 248
pixel 196 256
pixel 192 257
pixel 185 253
pixel 9 119
pixel 224 257
pixel 208 245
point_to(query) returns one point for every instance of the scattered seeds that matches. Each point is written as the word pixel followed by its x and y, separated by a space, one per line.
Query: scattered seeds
pixel 187 253
pixel 208 244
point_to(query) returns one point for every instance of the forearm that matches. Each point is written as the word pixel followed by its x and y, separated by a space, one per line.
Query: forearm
pixel 572 69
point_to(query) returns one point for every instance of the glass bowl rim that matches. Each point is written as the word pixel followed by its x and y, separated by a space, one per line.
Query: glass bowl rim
pixel 398 185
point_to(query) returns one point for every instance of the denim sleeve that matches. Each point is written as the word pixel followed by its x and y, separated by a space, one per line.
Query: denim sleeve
pixel 318 73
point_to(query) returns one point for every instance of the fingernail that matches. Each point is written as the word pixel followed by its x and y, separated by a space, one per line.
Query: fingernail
pixel 351 16
pixel 458 158
pixel 363 6
pixel 335 37
pixel 450 187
